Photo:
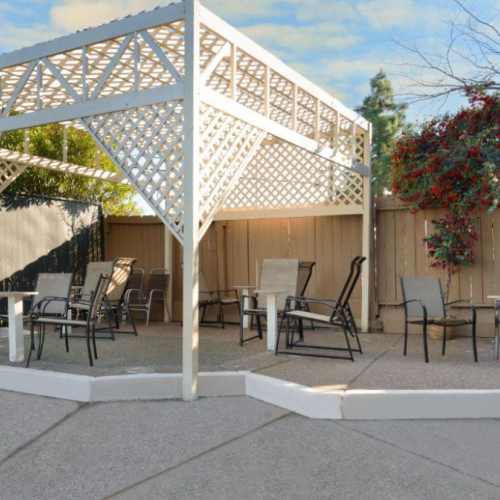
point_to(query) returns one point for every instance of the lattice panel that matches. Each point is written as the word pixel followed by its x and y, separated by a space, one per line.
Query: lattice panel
pixel 146 144
pixel 226 146
pixel 137 61
pixel 9 172
pixel 284 176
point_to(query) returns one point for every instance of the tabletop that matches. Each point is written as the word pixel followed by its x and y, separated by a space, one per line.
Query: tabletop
pixel 495 297
pixel 246 287
pixel 17 294
pixel 271 291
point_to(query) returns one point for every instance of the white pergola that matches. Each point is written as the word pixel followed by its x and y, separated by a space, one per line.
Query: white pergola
pixel 204 123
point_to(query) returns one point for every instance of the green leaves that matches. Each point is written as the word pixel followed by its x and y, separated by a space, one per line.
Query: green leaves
pixel 47 142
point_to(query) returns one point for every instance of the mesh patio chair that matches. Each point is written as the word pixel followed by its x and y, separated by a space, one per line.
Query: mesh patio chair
pixel 117 304
pixel 51 285
pixel 275 274
pixel 156 291
pixel 297 310
pixel 215 298
pixel 41 320
pixel 134 288
pixel 424 305
pixel 119 272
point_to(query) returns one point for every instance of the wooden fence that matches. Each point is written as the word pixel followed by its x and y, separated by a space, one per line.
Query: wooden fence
pixel 400 251
pixel 232 251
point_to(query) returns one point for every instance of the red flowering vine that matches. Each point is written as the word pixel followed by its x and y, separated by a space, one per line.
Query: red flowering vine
pixel 452 162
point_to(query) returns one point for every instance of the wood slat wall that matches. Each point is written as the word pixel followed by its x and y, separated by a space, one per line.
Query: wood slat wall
pixel 400 251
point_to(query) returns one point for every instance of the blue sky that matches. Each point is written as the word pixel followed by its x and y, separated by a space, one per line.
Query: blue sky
pixel 338 44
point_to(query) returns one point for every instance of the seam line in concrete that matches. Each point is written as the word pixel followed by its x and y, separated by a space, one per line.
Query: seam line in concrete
pixel 191 459
pixel 373 361
pixel 414 453
pixel 46 431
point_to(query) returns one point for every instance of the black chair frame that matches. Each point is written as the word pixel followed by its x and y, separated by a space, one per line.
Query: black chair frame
pixel 426 321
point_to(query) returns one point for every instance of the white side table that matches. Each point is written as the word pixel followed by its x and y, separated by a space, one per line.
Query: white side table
pixel 16 330
pixel 245 290
pixel 272 315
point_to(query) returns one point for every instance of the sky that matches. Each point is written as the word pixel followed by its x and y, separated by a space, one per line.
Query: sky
pixel 338 44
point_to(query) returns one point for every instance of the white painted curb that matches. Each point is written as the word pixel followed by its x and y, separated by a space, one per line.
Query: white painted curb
pixel 420 404
pixel 83 388
pixel 306 401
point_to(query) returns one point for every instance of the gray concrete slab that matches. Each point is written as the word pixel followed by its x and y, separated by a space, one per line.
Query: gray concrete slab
pixel 328 373
pixel 470 446
pixel 456 370
pixel 24 418
pixel 106 447
pixel 299 458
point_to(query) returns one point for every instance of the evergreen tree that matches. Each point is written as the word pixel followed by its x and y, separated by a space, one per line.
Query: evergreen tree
pixel 47 141
pixel 388 120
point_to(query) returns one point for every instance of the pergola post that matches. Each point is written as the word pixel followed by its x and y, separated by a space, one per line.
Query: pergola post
pixel 191 203
pixel 367 235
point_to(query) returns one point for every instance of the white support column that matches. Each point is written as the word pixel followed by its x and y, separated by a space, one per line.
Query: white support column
pixel 191 204
pixel 367 236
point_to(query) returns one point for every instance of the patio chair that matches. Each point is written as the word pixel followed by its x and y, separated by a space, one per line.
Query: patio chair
pixel 275 274
pixel 424 305
pixel 219 298
pixel 305 273
pixel 119 272
pixel 40 319
pixel 51 285
pixel 116 302
pixel 156 291
pixel 134 288
pixel 297 310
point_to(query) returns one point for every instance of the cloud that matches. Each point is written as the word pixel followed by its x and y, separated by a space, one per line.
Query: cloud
pixel 302 39
pixel 397 13
pixel 16 37
pixel 73 15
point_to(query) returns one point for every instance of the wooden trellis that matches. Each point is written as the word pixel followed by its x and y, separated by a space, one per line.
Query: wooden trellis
pixel 203 122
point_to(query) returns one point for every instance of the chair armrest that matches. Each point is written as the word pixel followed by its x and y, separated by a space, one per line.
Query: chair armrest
pixel 469 302
pixel 422 305
pixel 155 290
pixel 129 292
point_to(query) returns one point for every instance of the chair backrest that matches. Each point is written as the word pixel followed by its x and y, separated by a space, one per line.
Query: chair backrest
pixel 53 285
pixel 429 291
pixel 94 271
pixel 98 295
pixel 305 273
pixel 351 281
pixel 204 291
pixel 136 280
pixel 158 282
pixel 122 270
pixel 279 274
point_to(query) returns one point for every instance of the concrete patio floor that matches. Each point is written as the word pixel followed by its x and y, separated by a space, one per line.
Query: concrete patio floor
pixel 158 349
pixel 235 448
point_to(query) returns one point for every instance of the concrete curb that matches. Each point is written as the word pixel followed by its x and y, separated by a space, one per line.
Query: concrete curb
pixel 307 401
pixel 83 388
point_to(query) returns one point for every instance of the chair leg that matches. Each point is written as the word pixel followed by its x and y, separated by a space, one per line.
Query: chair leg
pixel 221 312
pixel 147 316
pixel 41 342
pixel 87 334
pixel 497 332
pixel 406 338
pixel 132 320
pixel 279 334
pixel 94 341
pixel 474 341
pixel 32 348
pixel 66 338
pixel 259 326
pixel 426 348
pixel 242 315
pixel 444 342
pixel 346 335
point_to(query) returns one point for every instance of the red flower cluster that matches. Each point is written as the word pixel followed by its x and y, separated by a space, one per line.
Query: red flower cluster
pixel 452 162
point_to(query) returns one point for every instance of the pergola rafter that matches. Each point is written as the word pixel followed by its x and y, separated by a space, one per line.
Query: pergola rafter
pixel 202 121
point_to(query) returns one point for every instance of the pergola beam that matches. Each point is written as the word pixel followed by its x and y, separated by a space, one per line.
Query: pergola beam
pixel 60 166
pixel 94 107
pixel 230 107
pixel 237 38
pixel 115 29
